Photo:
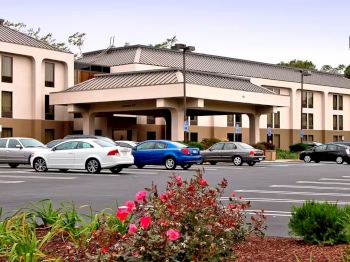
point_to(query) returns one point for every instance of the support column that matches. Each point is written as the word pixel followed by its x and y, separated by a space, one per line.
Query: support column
pixel 167 119
pixel 325 117
pixel 254 128
pixel 294 110
pixel 177 131
pixel 88 123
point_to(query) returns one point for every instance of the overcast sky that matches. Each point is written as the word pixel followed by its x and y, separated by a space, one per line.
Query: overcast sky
pixel 260 30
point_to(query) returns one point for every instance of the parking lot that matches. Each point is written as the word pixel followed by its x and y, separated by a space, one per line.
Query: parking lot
pixel 272 186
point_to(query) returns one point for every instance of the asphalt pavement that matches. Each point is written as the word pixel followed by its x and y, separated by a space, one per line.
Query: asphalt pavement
pixel 272 186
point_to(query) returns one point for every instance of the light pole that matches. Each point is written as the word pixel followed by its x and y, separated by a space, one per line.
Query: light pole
pixel 184 49
pixel 302 73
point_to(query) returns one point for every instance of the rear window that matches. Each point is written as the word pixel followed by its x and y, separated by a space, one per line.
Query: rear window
pixel 245 146
pixel 178 145
pixel 103 143
pixel 29 142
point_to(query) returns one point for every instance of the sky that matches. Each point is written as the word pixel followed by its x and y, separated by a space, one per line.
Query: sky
pixel 260 30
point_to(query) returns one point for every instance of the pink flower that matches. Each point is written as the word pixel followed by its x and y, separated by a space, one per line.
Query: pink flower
pixel 130 205
pixel 230 206
pixel 162 197
pixel 141 195
pixel 132 229
pixel 203 182
pixel 233 194
pixel 173 234
pixel 122 214
pixel 145 222
pixel 179 179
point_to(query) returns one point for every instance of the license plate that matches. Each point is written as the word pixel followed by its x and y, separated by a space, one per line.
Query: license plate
pixel 260 158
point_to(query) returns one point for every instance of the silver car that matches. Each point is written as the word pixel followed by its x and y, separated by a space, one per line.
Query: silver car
pixel 235 152
pixel 18 150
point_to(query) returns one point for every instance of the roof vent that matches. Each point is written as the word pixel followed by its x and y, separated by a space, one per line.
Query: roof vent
pixel 2 21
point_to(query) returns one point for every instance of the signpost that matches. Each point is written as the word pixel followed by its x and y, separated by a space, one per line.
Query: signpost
pixel 301 133
pixel 237 129
pixel 185 126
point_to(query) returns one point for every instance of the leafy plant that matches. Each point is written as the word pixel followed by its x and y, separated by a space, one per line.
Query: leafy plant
pixel 321 223
pixel 264 146
pixel 284 154
pixel 196 144
pixel 298 147
pixel 208 142
pixel 45 211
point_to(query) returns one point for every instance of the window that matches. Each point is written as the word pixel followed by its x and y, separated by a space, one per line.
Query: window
pixel 160 145
pixel 309 138
pixel 194 137
pixel 68 145
pixel 332 147
pixel 6 69
pixel 308 99
pixel 146 146
pixel 269 120
pixel 217 146
pixel 338 122
pixel 83 145
pixel 238 119
pixel 230 136
pixel 77 115
pixel 337 102
pixel 229 146
pixel 338 138
pixel 49 135
pixel 230 120
pixel 194 120
pixel 13 143
pixel 49 74
pixel 307 121
pixel 151 135
pixel 277 140
pixel 320 148
pixel 235 119
pixel 3 143
pixel 277 119
pixel 49 109
pixel 274 120
pixel 98 132
pixel 151 120
pixel 6 104
pixel 6 132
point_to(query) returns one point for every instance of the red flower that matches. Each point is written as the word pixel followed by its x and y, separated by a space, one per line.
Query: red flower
pixel 203 182
pixel 122 214
pixel 191 188
pixel 145 222
pixel 230 206
pixel 132 229
pixel 104 250
pixel 130 205
pixel 141 195
pixel 233 194
pixel 173 234
pixel 179 179
pixel 162 197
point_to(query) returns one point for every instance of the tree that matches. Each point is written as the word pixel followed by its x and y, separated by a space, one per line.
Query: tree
pixel 347 72
pixel 328 68
pixel 299 64
pixel 167 43
pixel 77 40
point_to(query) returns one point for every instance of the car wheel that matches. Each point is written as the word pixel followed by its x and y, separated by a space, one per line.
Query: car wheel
pixel 170 163
pixel 212 163
pixel 140 166
pixel 237 161
pixel 40 165
pixel 251 163
pixel 93 166
pixel 116 170
pixel 185 167
pixel 63 170
pixel 13 165
pixel 307 159
pixel 339 160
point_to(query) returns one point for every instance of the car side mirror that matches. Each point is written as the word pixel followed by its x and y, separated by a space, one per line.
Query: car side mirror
pixel 53 149
pixel 134 148
pixel 210 149
pixel 19 146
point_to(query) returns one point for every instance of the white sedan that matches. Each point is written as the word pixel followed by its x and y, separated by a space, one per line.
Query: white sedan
pixel 90 154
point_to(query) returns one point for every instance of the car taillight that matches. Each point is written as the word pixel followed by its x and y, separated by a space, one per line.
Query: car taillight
pixel 185 151
pixel 113 152
pixel 251 153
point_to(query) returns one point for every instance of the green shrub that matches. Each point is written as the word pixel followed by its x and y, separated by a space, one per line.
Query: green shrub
pixel 196 144
pixel 284 154
pixel 208 142
pixel 298 147
pixel 321 223
pixel 264 146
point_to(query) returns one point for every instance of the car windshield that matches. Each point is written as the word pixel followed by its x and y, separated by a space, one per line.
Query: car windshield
pixel 53 143
pixel 29 142
pixel 245 146
pixel 177 144
pixel 104 143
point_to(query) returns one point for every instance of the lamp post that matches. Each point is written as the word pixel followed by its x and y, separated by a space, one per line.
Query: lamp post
pixel 184 49
pixel 302 73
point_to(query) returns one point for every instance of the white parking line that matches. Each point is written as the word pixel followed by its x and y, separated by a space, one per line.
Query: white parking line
pixel 37 177
pixel 271 213
pixel 10 182
pixel 141 173
pixel 312 187
pixel 322 183
pixel 283 200
pixel 335 179
pixel 291 193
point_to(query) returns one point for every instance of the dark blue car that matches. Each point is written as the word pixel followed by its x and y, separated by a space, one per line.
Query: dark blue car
pixel 164 152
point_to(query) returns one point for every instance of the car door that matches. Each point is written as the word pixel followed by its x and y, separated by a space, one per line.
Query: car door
pixel 213 154
pixel 15 152
pixel 82 153
pixel 159 151
pixel 331 153
pixel 228 152
pixel 319 153
pixel 143 153
pixel 62 155
pixel 3 149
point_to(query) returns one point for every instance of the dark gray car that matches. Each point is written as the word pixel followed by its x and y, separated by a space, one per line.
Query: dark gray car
pixel 17 150
pixel 235 152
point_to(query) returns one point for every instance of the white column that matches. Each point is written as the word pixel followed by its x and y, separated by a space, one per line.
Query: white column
pixel 177 121
pixel 254 128
pixel 325 116
pixel 88 123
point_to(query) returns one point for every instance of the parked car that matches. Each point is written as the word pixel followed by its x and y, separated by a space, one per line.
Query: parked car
pixel 236 152
pixel 90 154
pixel 328 152
pixel 107 139
pixel 17 150
pixel 164 152
pixel 52 143
pixel 126 143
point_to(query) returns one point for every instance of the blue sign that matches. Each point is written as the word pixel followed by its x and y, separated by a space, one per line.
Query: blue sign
pixel 186 126
pixel 269 131
pixel 237 129
pixel 301 133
